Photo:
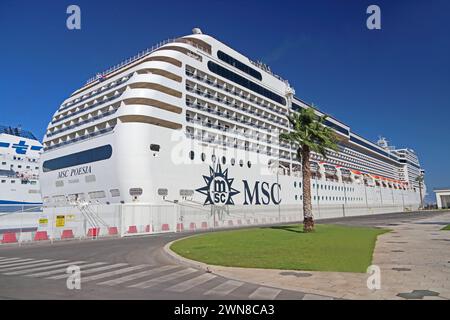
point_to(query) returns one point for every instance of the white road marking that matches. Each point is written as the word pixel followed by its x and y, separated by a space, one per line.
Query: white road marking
pixel 14 261
pixel 137 275
pixel 9 259
pixel 64 270
pixel 189 284
pixel 161 279
pixel 224 288
pixel 22 264
pixel 31 265
pixel 83 272
pixel 112 273
pixel 44 268
pixel 263 293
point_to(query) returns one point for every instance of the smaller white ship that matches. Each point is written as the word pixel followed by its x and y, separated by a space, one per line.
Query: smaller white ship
pixel 19 167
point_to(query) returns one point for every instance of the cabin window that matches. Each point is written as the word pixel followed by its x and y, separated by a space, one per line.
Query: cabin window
pixel 78 158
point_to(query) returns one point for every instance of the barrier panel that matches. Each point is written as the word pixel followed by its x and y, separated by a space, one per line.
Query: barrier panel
pixel 93 221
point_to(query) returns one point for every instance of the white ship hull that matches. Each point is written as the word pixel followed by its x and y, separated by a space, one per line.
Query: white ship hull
pixel 133 165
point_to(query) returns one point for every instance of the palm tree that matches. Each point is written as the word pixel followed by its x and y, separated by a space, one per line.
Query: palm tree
pixel 309 134
pixel 420 179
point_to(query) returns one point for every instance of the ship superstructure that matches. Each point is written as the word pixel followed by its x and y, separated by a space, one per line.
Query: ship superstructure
pixel 192 120
pixel 19 167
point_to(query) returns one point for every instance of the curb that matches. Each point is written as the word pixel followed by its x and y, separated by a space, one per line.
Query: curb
pixel 184 261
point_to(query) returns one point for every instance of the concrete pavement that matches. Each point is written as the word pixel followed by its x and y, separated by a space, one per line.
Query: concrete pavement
pixel 414 260
pixel 127 268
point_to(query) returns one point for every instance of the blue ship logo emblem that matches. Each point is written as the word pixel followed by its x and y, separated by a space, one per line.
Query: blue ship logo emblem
pixel 21 147
pixel 218 189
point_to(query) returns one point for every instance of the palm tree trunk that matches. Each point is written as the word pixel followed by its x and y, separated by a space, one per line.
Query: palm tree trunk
pixel 308 218
pixel 420 195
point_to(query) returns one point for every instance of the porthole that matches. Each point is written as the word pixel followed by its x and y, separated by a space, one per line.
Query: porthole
pixel 233 161
pixel 296 197
pixel 191 155
pixel 203 156
pixel 241 163
pixel 224 160
pixel 249 164
pixel 213 158
pixel 295 186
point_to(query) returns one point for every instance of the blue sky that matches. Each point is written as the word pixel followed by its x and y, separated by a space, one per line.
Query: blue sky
pixel 393 82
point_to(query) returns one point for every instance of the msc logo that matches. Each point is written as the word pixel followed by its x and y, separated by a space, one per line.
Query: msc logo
pixel 218 189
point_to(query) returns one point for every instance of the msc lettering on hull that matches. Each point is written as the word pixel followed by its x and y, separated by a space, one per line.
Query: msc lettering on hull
pixel 74 172
pixel 262 193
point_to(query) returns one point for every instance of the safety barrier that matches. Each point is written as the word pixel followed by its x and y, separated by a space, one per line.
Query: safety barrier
pixel 102 221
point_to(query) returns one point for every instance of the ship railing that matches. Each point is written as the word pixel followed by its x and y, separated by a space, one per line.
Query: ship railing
pixel 94 105
pixel 82 123
pixel 132 59
pixel 84 137
pixel 99 92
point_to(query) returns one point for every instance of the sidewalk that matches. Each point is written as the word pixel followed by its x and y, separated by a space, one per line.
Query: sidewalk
pixel 414 260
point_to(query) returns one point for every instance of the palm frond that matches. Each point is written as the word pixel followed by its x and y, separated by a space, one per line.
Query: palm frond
pixel 308 129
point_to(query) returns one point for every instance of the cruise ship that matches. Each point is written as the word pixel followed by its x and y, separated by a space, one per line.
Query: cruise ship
pixel 193 122
pixel 19 167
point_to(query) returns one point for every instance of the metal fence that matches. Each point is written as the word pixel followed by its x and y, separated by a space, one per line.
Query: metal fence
pixel 25 224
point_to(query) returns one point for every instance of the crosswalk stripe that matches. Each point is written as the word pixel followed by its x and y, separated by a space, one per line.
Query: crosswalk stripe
pixel 22 263
pixel 189 284
pixel 64 270
pixel 137 275
pixel 6 263
pixel 31 265
pixel 112 273
pixel 224 288
pixel 263 293
pixel 9 259
pixel 83 272
pixel 161 279
pixel 44 268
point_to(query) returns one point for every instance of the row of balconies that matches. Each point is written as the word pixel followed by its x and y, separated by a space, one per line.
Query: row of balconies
pixel 214 139
pixel 218 127
pixel 95 93
pixel 228 114
pixel 237 104
pixel 88 133
pixel 207 123
pixel 212 81
pixel 100 115
pixel 95 104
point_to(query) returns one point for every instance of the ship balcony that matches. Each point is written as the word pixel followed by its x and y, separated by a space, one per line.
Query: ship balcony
pixel 228 88
pixel 96 103
pixel 107 89
pixel 83 122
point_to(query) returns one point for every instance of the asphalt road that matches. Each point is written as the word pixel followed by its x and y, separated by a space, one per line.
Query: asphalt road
pixel 134 268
